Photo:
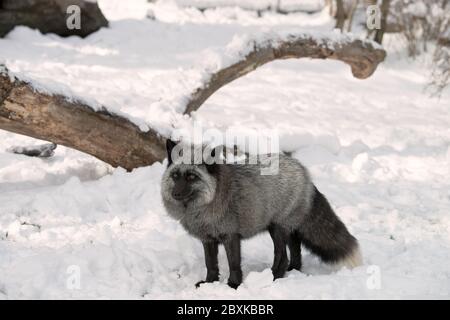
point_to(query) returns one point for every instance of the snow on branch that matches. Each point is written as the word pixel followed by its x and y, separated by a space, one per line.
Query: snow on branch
pixel 363 56
pixel 33 110
pixel 67 121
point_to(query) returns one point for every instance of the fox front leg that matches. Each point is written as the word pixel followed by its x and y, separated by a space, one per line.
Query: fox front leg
pixel 233 249
pixel 211 249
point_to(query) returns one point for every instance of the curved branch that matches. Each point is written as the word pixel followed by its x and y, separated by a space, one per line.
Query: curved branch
pixel 102 134
pixel 362 56
pixel 119 141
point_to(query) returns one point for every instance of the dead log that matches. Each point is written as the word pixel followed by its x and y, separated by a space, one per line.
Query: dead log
pixel 120 142
pixel 50 16
pixel 100 133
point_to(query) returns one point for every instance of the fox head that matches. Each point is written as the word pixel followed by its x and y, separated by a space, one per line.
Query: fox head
pixel 187 184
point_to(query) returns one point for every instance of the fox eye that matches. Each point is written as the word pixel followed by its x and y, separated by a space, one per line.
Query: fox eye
pixel 175 176
pixel 191 177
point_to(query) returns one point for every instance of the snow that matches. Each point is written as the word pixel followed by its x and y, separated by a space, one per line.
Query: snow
pixel 73 227
pixel 187 73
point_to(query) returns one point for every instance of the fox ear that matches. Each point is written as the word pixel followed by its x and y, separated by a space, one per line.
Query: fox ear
pixel 212 168
pixel 169 146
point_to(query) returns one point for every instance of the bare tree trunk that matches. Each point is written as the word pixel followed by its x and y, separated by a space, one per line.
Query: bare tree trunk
pixel 385 4
pixel 340 15
pixel 329 4
pixel 118 141
pixel 351 14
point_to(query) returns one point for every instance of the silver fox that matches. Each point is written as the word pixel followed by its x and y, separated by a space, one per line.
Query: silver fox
pixel 225 203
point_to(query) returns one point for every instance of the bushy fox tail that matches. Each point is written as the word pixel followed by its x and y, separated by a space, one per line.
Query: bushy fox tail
pixel 326 236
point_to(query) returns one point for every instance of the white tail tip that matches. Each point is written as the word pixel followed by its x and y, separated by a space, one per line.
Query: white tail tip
pixel 353 260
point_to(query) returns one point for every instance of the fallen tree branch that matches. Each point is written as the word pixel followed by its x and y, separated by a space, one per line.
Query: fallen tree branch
pixel 120 142
pixel 362 56
pixel 102 134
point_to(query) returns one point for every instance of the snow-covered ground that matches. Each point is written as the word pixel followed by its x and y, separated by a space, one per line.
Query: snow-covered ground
pixel 378 148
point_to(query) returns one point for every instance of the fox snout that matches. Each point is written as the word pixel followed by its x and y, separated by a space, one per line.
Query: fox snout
pixel 182 191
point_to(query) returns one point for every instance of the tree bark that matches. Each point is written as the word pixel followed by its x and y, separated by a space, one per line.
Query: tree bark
pixel 118 141
pixel 341 15
pixel 351 14
pixel 73 124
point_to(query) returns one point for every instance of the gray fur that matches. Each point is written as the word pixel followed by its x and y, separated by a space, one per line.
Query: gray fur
pixel 238 199
pixel 226 203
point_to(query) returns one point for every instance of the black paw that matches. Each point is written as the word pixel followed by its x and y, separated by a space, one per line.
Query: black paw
pixel 278 274
pixel 294 267
pixel 198 284
pixel 279 271
pixel 233 285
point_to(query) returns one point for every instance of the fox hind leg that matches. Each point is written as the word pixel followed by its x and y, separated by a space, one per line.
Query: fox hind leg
pixel 233 250
pixel 280 260
pixel 294 244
